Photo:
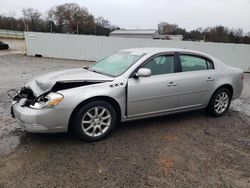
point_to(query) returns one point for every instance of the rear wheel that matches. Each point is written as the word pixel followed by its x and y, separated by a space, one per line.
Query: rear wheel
pixel 95 120
pixel 220 102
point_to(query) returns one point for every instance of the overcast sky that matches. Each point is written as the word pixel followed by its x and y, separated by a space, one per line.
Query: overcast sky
pixel 146 14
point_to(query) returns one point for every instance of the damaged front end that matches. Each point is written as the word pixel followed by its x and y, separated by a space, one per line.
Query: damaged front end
pixel 49 98
pixel 62 85
pixel 42 105
pixel 23 93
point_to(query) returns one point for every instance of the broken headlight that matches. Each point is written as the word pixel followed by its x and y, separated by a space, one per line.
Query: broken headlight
pixel 50 100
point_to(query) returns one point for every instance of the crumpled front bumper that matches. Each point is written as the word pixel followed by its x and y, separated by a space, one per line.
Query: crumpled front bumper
pixel 48 120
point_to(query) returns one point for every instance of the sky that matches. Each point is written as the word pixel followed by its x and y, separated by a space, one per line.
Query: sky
pixel 146 14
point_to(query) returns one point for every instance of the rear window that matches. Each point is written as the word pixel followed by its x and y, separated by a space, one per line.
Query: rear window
pixel 195 63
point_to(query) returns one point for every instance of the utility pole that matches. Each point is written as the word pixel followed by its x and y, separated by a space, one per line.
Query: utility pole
pixel 51 26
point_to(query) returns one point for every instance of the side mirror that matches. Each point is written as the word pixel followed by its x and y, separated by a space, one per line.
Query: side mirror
pixel 143 72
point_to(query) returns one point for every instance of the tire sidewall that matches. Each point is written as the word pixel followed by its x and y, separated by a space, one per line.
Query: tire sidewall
pixel 79 115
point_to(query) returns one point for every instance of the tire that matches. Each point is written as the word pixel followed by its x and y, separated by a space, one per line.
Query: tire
pixel 220 102
pixel 94 121
pixel 5 46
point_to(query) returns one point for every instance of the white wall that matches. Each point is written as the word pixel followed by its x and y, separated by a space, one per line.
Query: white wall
pixel 84 47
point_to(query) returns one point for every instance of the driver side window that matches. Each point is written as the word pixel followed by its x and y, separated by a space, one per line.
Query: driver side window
pixel 163 64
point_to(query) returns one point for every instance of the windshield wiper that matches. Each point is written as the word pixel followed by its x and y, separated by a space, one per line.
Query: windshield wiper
pixel 95 71
pixel 101 72
pixel 87 68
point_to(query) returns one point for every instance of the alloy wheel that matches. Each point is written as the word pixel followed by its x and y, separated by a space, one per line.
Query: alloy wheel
pixel 96 121
pixel 221 102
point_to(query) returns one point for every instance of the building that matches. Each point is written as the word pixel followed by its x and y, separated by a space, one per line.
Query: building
pixel 173 37
pixel 144 33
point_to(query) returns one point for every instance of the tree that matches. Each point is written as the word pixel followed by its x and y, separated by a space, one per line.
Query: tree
pixel 32 19
pixel 102 26
pixel 100 21
pixel 195 35
pixel 65 18
pixel 70 17
pixel 161 27
pixel 170 29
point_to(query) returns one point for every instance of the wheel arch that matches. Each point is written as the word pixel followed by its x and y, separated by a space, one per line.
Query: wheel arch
pixel 110 100
pixel 227 86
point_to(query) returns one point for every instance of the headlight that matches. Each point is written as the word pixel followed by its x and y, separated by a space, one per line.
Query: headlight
pixel 48 101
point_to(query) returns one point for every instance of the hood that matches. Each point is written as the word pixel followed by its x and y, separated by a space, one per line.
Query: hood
pixel 46 82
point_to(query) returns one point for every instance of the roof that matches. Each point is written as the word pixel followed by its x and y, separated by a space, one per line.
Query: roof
pixel 135 32
pixel 155 50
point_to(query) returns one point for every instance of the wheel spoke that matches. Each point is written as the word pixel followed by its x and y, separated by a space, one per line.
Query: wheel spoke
pixel 87 121
pixel 105 124
pixel 216 108
pixel 88 128
pixel 217 100
pixel 94 131
pixel 96 111
pixel 100 129
pixel 221 108
pixel 103 111
pixel 106 117
pixel 90 115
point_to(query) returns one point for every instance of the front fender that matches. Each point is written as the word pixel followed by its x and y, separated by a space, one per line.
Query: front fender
pixel 75 96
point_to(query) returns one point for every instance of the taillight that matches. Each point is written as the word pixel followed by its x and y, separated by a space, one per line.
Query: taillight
pixel 242 77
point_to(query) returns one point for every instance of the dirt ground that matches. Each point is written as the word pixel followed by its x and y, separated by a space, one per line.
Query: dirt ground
pixel 184 150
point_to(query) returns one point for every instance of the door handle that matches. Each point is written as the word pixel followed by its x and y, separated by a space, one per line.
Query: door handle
pixel 171 84
pixel 210 79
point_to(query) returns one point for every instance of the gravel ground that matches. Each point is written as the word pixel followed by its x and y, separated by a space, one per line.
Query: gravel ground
pixel 184 150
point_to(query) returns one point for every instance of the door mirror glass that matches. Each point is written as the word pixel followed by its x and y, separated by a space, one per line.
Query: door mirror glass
pixel 143 72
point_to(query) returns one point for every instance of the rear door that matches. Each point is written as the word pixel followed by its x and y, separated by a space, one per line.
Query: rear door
pixel 157 93
pixel 196 80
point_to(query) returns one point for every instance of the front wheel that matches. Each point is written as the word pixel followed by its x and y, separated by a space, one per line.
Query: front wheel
pixel 220 102
pixel 94 121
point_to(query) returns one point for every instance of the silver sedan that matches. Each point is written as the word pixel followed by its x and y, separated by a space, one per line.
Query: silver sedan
pixel 128 85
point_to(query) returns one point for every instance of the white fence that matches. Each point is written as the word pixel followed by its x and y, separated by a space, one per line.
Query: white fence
pixel 83 47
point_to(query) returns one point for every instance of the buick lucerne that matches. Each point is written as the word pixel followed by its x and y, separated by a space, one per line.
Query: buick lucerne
pixel 128 85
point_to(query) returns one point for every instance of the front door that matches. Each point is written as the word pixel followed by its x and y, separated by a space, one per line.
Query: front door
pixel 157 93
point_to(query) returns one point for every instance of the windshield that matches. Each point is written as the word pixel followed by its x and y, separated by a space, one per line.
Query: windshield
pixel 116 64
